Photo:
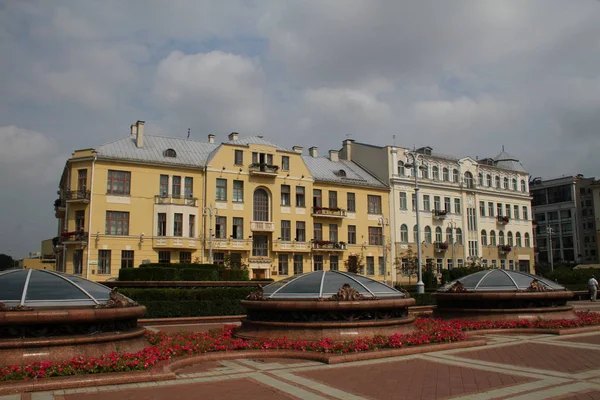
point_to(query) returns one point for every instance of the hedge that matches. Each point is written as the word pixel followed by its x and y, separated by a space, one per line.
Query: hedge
pixel 214 267
pixel 572 277
pixel 181 274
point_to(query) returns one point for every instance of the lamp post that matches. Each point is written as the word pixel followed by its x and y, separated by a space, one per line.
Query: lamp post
pixel 417 163
pixel 383 222
pixel 453 227
pixel 550 232
pixel 210 211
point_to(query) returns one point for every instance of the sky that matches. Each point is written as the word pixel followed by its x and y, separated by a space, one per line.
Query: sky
pixel 464 77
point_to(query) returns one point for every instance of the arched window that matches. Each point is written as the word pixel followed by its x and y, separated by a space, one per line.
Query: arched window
pixel 436 173
pixel 170 153
pixel 492 238
pixel 415 231
pixel 498 182
pixel 523 187
pixel 340 173
pixel 445 175
pixel 427 234
pixel 404 233
pixel 518 239
pixel 510 239
pixel 438 234
pixel 449 235
pixel 514 185
pixel 454 175
pixel 489 180
pixel 424 171
pixel 527 241
pixel 261 205
pixel 480 179
pixel 505 183
pixel 483 237
pixel 501 238
pixel 469 180
pixel 459 238
pixel 401 168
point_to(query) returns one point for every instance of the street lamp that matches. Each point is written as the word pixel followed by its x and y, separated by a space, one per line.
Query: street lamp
pixel 210 211
pixel 383 222
pixel 550 232
pixel 452 225
pixel 418 162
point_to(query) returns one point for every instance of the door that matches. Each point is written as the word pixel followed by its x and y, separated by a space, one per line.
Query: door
pixel 258 274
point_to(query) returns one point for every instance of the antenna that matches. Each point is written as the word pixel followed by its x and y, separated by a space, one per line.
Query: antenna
pixel 502 147
pixel 394 136
pixel 188 134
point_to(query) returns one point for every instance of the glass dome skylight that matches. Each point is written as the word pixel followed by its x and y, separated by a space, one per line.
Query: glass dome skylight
pixel 324 284
pixel 43 288
pixel 500 280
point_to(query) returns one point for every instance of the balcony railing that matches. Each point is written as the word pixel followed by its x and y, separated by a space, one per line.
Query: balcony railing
pixel 59 207
pixel 263 169
pixel 504 249
pixel 328 245
pixel 290 246
pixel 73 196
pixel 73 237
pixel 502 220
pixel 262 226
pixel 441 246
pixel 175 242
pixel 439 214
pixel 328 212
pixel 177 200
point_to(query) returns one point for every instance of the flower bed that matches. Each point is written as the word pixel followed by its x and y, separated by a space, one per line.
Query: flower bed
pixel 166 346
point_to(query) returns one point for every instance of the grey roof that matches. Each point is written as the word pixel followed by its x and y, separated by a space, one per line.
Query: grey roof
pixel 256 140
pixel 506 161
pixel 325 170
pixel 189 152
pixel 501 280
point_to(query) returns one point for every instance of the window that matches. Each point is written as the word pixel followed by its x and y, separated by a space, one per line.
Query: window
pixel 427 202
pixel 351 199
pixel 510 239
pixel 436 173
pixel 525 213
pixel 238 228
pixel 527 240
pixel 514 185
pixel 286 231
pixel 471 220
pixel 164 257
pixel 170 153
pixel 318 262
pixel 300 197
pixel 483 237
pixel 449 237
pixel 80 220
pixel 238 157
pixel 189 187
pixel 164 186
pixel 261 205
pixel 436 203
pixel 176 187
pixel 511 264
pixel 403 205
pixel 162 224
pixel 78 262
pixel 81 180
pixel 507 207
pixel 484 263
pixel 219 258
pixel 126 258
pixel 370 265
pixel 501 238
pixel 300 231
pixel 460 263
pixel 286 197
pixel 492 238
pixel 424 171
pixel 494 263
pixel 317 198
pixel 283 264
pixel 104 262
pixel 333 233
pixel 427 234
pixel 447 205
pixel 468 180
pixel 518 239
pixel 285 163
pixel 503 264
pixel 482 208
pixel 499 209
pixel 375 235
pixel 490 209
pixel 381 266
pixel 334 263
pixel 119 182
pixel 374 204
pixel 351 234
pixel 404 233
pixel 445 175
pixel 220 227
pixel 450 263
pixel 414 201
pixel 318 231
pixel 238 191
pixel 332 199
pixel 117 223
pixel 523 186
pixel 260 245
pixel 457 207
pixel 459 238
pixel 298 264
pixel 178 224
pixel 191 225
pixel 401 168
pixel 221 194
pixel 473 248
pixel 415 234
pixel 506 183
pixel 439 265
pixel 497 182
pixel 455 175
pixel 488 179
pixel 516 212
pixel 480 179
pixel 438 234
pixel 185 257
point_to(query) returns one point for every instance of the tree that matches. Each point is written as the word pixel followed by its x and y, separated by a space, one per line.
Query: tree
pixel 355 264
pixel 6 262
pixel 410 267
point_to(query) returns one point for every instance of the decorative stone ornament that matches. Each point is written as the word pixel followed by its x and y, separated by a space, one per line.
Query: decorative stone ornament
pixel 348 293
pixel 117 300
pixel 256 295
pixel 536 286
pixel 458 287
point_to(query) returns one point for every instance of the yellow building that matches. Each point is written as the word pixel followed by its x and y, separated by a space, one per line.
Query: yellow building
pixel 44 259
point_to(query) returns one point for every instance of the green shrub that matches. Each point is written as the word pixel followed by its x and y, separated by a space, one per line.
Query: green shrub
pixel 214 267
pixel 147 274
pixel 430 279
pixel 195 274
pixel 568 276
pixel 425 299
pixel 233 275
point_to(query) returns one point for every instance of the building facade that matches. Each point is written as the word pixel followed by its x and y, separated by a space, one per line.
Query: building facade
pixel 471 211
pixel 564 213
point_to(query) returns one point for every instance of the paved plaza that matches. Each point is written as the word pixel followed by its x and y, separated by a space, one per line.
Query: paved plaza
pixel 511 366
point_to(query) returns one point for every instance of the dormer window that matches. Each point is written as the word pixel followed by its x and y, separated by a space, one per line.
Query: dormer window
pixel 170 153
pixel 341 173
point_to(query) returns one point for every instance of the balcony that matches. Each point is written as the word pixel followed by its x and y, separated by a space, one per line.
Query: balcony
pixel 230 244
pixel 441 247
pixel 176 200
pixel 262 226
pixel 169 242
pixel 502 220
pixel 77 196
pixel 504 249
pixel 331 212
pixel 75 237
pixel 439 214
pixel 290 246
pixel 326 245
pixel 59 208
pixel 263 169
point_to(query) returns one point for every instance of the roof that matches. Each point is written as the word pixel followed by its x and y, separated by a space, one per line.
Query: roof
pixel 506 161
pixel 324 170
pixel 189 152
pixel 256 140
pixel 501 280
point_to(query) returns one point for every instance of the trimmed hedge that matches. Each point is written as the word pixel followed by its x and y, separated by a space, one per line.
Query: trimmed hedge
pixel 182 272
pixel 572 277
pixel 214 267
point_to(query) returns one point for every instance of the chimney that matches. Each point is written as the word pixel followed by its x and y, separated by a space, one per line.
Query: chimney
pixel 233 136
pixel 298 149
pixel 347 149
pixel 313 151
pixel 334 155
pixel 133 129
pixel 139 139
pixel 211 138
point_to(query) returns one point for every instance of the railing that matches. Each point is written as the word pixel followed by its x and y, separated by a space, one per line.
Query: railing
pixel 180 242
pixel 504 249
pixel 77 195
pixel 441 246
pixel 59 203
pixel 178 200
pixel 262 226
pixel 502 220
pixel 72 237
pixel 439 214
pixel 263 169
pixel 332 212
pixel 328 245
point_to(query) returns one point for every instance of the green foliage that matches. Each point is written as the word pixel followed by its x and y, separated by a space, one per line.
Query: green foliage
pixel 182 272
pixel 214 267
pixel 430 279
pixel 195 274
pixel 6 262
pixel 567 276
pixel 425 299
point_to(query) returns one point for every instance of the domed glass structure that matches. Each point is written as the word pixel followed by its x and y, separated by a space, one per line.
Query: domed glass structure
pixel 43 288
pixel 324 284
pixel 501 280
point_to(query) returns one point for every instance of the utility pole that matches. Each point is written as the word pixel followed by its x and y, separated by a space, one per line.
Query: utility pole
pixel 209 211
pixel 550 232
pixel 453 227
pixel 417 163
pixel 383 222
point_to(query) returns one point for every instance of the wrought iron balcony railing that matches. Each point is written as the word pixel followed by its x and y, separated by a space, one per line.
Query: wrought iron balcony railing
pixel 328 212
